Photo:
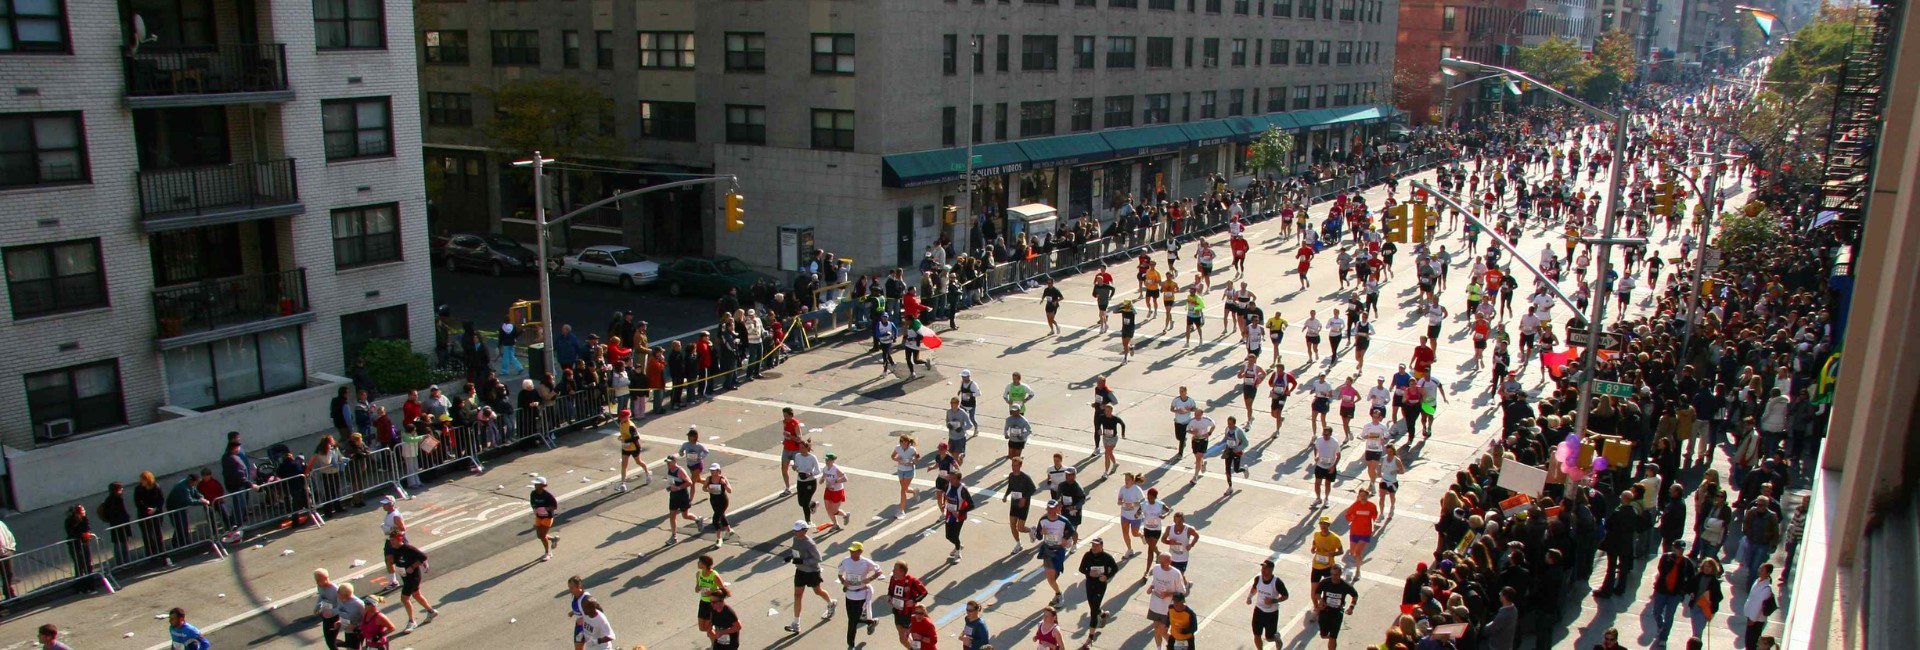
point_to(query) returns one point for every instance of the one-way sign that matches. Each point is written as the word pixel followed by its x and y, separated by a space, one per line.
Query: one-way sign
pixel 1579 336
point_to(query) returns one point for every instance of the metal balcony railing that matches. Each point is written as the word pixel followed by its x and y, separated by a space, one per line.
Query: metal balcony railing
pixel 212 304
pixel 193 191
pixel 206 70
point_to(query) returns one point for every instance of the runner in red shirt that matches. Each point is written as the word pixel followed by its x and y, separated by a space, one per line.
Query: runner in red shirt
pixel 926 636
pixel 1240 247
pixel 1360 517
pixel 903 594
pixel 1306 262
pixel 1422 358
pixel 1141 276
pixel 789 446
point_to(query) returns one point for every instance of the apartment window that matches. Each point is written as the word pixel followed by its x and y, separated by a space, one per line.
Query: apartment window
pixel 1186 107
pixel 1159 109
pixel 1236 102
pixel 42 149
pixel 1159 51
pixel 1119 111
pixel 1207 105
pixel 1116 4
pixel 1326 9
pixel 833 53
pixel 1346 53
pixel 570 48
pixel 1000 121
pixel 346 24
pixel 1446 19
pixel 87 396
pixel 603 49
pixel 1039 52
pixel 1276 99
pixel 1303 52
pixel 1308 8
pixel 1083 52
pixel 1120 52
pixel 1213 6
pixel 366 235
pixel 516 47
pixel 236 369
pixel 1320 96
pixel 33 26
pixel 1242 7
pixel 667 121
pixel 52 278
pixel 357 128
pixel 1096 3
pixel 746 51
pixel 1282 8
pixel 1002 51
pixel 357 328
pixel 1210 53
pixel 1277 52
pixel 832 129
pixel 1302 98
pixel 979 47
pixel 747 124
pixel 449 109
pixel 1326 52
pixel 949 124
pixel 978 116
pixel 1082 114
pixel 1239 53
pixel 1342 94
pixel 447 47
pixel 1162 5
pixel 1346 9
pixel 666 50
pixel 1036 118
pixel 1189 56
pixel 1258 55
pixel 950 54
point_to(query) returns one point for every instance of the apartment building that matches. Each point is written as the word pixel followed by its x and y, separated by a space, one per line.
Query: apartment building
pixel 855 120
pixel 210 204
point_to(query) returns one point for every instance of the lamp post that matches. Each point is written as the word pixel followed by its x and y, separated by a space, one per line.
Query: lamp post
pixel 966 182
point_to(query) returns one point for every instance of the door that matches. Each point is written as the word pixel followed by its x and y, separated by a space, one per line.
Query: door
pixel 903 226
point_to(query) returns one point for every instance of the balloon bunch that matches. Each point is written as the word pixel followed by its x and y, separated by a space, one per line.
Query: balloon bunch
pixel 1568 454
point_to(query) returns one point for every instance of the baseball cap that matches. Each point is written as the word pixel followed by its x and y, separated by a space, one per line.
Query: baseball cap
pixel 539 480
pixel 831 455
pixel 856 546
pixel 943 446
pixel 1326 519
pixel 966 373
pixel 626 413
pixel 1069 471
pixel 801 525
pixel 1053 503
pixel 714 467
pixel 1098 542
pixel 386 501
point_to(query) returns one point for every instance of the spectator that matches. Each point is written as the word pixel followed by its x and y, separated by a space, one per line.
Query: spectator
pixel 113 510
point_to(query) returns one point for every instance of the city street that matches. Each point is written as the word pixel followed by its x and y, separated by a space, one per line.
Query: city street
pixel 485 299
pixel 494 592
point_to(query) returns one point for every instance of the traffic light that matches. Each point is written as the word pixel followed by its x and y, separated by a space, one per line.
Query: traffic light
pixel 1426 221
pixel 1397 224
pixel 952 214
pixel 1663 197
pixel 736 213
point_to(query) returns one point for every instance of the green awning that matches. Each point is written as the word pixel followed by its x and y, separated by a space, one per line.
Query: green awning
pixel 1145 140
pixel 1314 120
pixel 948 165
pixel 1247 129
pixel 1285 121
pixel 1058 151
pixel 1210 133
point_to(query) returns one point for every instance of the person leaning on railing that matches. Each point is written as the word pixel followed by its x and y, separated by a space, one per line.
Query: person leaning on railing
pixel 79 544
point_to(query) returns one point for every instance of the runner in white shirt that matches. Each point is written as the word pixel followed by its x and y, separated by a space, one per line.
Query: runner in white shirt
pixel 1132 496
pixel 1163 582
pixel 1380 396
pixel 1265 596
pixel 595 626
pixel 857 573
pixel 1312 327
pixel 391 523
pixel 1390 469
pixel 1326 461
pixel 1180 540
pixel 1250 375
pixel 1153 515
pixel 1322 400
pixel 1200 428
pixel 1374 434
pixel 1183 408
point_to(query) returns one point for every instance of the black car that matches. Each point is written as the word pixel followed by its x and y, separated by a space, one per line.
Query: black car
pixel 496 254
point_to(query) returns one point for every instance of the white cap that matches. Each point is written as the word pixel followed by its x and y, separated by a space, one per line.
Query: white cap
pixel 801 525
pixel 539 480
pixel 714 467
pixel 966 373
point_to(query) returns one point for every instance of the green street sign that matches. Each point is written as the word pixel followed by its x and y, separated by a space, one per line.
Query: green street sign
pixel 1612 388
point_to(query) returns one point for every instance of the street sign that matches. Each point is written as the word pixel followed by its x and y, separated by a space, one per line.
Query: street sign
pixel 1578 336
pixel 1713 259
pixel 1612 388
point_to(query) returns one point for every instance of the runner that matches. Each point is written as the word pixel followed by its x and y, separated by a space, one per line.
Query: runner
pixel 719 494
pixel 969 394
pixel 693 454
pixel 1336 330
pixel 1360 517
pixel 1152 513
pixel 1322 400
pixel 956 501
pixel 1102 294
pixel 1110 429
pixel 1046 635
pixel 577 596
pixel 630 450
pixel 1362 337
pixel 973 631
pixel 790 428
pixel 1128 326
pixel 725 628
pixel 836 481
pixel 183 634
pixel 1200 428
pixel 922 634
pixel 1233 448
pixel 1390 469
pixel 1055 533
pixel 391 525
pixel 1169 294
pixel 1374 435
pixel 679 502
pixel 1326 461
pixel 1019 496
pixel 1099 568
pixel 1311 327
pixel 1017 432
pixel 1164 582
pixel 1334 599
pixel 1265 595
pixel 906 459
pixel 856 573
pixel 1280 385
pixel 1349 403
pixel 596 632
pixel 1050 299
pixel 807 466
pixel 412 563
pixel 1131 496
pixel 1250 375
pixel 545 507
pixel 1326 547
pixel 1196 317
pixel 959 425
pixel 1180 540
pixel 1276 330
pixel 904 592
pixel 706 583
pixel 1103 396
pixel 1018 394
pixel 1183 409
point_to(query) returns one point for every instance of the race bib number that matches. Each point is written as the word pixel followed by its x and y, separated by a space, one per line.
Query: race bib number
pixel 1017 497
pixel 953 507
pixel 1095 572
pixel 1051 537
pixel 716 488
pixel 1333 600
pixel 898 603
pixel 1322 559
pixel 724 639
pixel 1182 644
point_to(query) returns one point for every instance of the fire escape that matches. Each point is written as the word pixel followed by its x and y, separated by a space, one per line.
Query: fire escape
pixel 1857 105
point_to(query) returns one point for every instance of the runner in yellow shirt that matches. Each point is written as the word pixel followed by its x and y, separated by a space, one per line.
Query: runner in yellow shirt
pixel 1169 294
pixel 1326 548
pixel 1196 317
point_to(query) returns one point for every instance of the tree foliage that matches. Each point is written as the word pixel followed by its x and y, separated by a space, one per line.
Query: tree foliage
pixel 1740 231
pixel 395 367
pixel 1273 151
pixel 1557 62
pixel 555 116
pixel 1779 128
pixel 1614 65
pixel 1816 54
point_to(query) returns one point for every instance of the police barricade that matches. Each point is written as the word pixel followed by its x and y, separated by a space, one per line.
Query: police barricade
pixel 358 477
pixel 39 571
pixel 162 536
pixel 279 503
pixel 448 445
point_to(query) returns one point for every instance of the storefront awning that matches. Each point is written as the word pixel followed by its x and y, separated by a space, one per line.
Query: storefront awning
pixel 1146 140
pixel 1319 119
pixel 1058 151
pixel 1369 114
pixel 1210 133
pixel 1283 121
pixel 949 165
pixel 1247 129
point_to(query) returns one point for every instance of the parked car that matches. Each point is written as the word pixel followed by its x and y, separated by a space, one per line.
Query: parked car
pixel 709 276
pixel 614 264
pixel 496 254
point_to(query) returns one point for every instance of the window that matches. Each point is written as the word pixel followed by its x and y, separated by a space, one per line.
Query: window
pixel 1189 51
pixel 1239 53
pixel 1186 107
pixel 1159 109
pixel 357 128
pixel 1162 5
pixel 450 109
pixel 366 235
pixel 1258 56
pixel 667 121
pixel 359 327
pixel 1346 53
pixel 33 26
pixel 979 47
pixel 746 51
pixel 47 279
pixel 949 54
pixel 1276 99
pixel 1036 118
pixel 1083 52
pixel 1159 51
pixel 1116 4
pixel 832 129
pixel 1303 52
pixel 1446 19
pixel 746 124
pixel 1342 94
pixel 978 116
pixel 1326 9
pixel 1120 52
pixel 236 369
pixel 447 47
pixel 516 47
pixel 1096 3
pixel 1308 9
pixel 1242 7
pixel 949 124
pixel 1210 53
pixel 1000 121
pixel 603 49
pixel 1213 6
pixel 1320 96
pixel 1346 9
pixel 1207 105
pixel 1282 8
pixel 833 53
pixel 569 48
pixel 1326 52
pixel 1301 98
pixel 1082 114
pixel 349 24
pixel 1119 111
pixel 1277 52
pixel 666 50
pixel 1039 53
pixel 1002 52
pixel 1236 100
pixel 88 396
pixel 42 149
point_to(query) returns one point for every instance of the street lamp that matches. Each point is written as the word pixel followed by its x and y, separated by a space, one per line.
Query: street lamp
pixel 1446 97
pixel 1589 353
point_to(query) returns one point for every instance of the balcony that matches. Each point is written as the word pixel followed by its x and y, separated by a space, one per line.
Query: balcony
pixel 214 309
pixel 186 197
pixel 160 77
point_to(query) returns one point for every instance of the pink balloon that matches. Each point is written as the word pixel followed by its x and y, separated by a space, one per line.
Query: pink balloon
pixel 1600 464
pixel 1577 474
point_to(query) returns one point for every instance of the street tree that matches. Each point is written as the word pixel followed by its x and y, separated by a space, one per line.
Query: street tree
pixel 1747 230
pixel 1816 55
pixel 561 119
pixel 1273 151
pixel 1614 66
pixel 1557 62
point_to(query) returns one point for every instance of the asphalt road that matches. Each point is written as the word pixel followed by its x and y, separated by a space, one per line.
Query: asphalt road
pixel 587 307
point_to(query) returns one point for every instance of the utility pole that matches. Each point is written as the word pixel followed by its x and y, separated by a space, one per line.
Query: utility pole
pixel 540 242
pixel 1589 353
pixel 966 182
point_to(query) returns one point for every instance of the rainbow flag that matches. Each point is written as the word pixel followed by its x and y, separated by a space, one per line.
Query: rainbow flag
pixel 1765 20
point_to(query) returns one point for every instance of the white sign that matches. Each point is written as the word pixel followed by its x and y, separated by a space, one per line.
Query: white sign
pixel 1522 479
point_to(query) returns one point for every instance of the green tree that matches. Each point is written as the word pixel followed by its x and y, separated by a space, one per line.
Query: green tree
pixel 1272 152
pixel 558 117
pixel 1614 65
pixel 1740 231
pixel 1557 62
pixel 1816 55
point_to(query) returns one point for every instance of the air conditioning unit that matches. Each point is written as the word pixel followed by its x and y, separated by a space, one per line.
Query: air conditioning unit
pixel 56 429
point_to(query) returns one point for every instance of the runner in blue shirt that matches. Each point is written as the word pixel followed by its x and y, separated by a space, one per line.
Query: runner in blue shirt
pixel 183 634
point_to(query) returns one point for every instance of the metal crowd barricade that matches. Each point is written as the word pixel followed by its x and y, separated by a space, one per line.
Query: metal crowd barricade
pixel 271 505
pixel 162 535
pixel 359 477
pixel 48 568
